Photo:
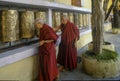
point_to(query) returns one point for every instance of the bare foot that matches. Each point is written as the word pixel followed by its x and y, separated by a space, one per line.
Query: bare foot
pixel 61 68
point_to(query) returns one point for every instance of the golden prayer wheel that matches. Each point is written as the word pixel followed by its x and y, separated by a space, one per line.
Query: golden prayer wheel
pixel 87 20
pixel 27 24
pixel 64 13
pixel 71 17
pixel 76 20
pixel 56 19
pixel 0 25
pixel 10 26
pixel 80 21
pixel 41 15
pixel 84 21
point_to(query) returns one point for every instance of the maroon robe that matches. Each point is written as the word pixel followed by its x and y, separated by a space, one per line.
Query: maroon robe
pixel 67 55
pixel 48 70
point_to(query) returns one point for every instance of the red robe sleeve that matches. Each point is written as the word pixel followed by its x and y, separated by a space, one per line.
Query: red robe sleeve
pixel 49 34
pixel 76 31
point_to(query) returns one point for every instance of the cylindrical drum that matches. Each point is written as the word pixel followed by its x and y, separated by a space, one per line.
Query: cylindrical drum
pixel 41 15
pixel 80 21
pixel 56 19
pixel 0 25
pixel 65 13
pixel 87 19
pixel 10 26
pixel 71 17
pixel 84 20
pixel 76 20
pixel 27 24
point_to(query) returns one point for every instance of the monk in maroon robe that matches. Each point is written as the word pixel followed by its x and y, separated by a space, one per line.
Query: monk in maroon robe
pixel 48 70
pixel 67 55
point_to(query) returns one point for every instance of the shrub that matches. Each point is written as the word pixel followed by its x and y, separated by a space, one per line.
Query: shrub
pixel 106 55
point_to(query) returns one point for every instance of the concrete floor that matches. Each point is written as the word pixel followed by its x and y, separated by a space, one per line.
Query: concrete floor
pixel 79 75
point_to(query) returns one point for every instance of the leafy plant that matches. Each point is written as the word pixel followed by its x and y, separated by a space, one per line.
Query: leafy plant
pixel 106 55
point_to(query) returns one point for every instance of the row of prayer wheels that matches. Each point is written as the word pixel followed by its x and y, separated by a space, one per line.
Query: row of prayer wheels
pixel 81 20
pixel 15 25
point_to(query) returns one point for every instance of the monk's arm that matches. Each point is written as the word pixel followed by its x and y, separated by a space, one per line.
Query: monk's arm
pixel 48 41
pixel 56 28
pixel 45 41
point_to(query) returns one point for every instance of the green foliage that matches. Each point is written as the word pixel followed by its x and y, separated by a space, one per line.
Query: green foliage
pixel 106 55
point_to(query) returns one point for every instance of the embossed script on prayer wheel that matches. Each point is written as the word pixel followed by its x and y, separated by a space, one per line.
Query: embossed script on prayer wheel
pixel 71 17
pixel 0 26
pixel 10 27
pixel 56 19
pixel 41 15
pixel 76 19
pixel 80 20
pixel 27 24
pixel 65 13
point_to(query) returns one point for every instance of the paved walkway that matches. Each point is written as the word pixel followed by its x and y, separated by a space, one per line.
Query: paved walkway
pixel 79 75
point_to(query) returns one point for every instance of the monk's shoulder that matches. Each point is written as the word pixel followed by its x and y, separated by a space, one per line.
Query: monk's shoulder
pixel 72 24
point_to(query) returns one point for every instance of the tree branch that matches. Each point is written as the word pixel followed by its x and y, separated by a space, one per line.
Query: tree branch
pixel 111 7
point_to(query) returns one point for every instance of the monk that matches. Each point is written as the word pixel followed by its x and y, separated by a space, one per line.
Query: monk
pixel 48 70
pixel 67 55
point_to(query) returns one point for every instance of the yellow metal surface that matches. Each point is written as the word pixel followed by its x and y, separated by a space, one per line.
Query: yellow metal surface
pixel 56 19
pixel 10 26
pixel 42 15
pixel 27 24
pixel 71 17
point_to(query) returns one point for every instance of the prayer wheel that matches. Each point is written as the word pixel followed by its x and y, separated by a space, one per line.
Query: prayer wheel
pixel 27 24
pixel 0 25
pixel 76 20
pixel 65 13
pixel 71 17
pixel 87 18
pixel 56 19
pixel 41 15
pixel 84 20
pixel 10 26
pixel 80 21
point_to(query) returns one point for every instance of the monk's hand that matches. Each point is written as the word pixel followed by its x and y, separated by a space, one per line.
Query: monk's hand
pixel 48 41
pixel 42 42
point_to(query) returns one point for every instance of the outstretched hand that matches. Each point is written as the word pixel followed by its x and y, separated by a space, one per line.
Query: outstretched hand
pixel 42 42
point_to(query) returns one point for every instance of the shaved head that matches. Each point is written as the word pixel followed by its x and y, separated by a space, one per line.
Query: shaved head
pixel 39 23
pixel 64 19
pixel 39 20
